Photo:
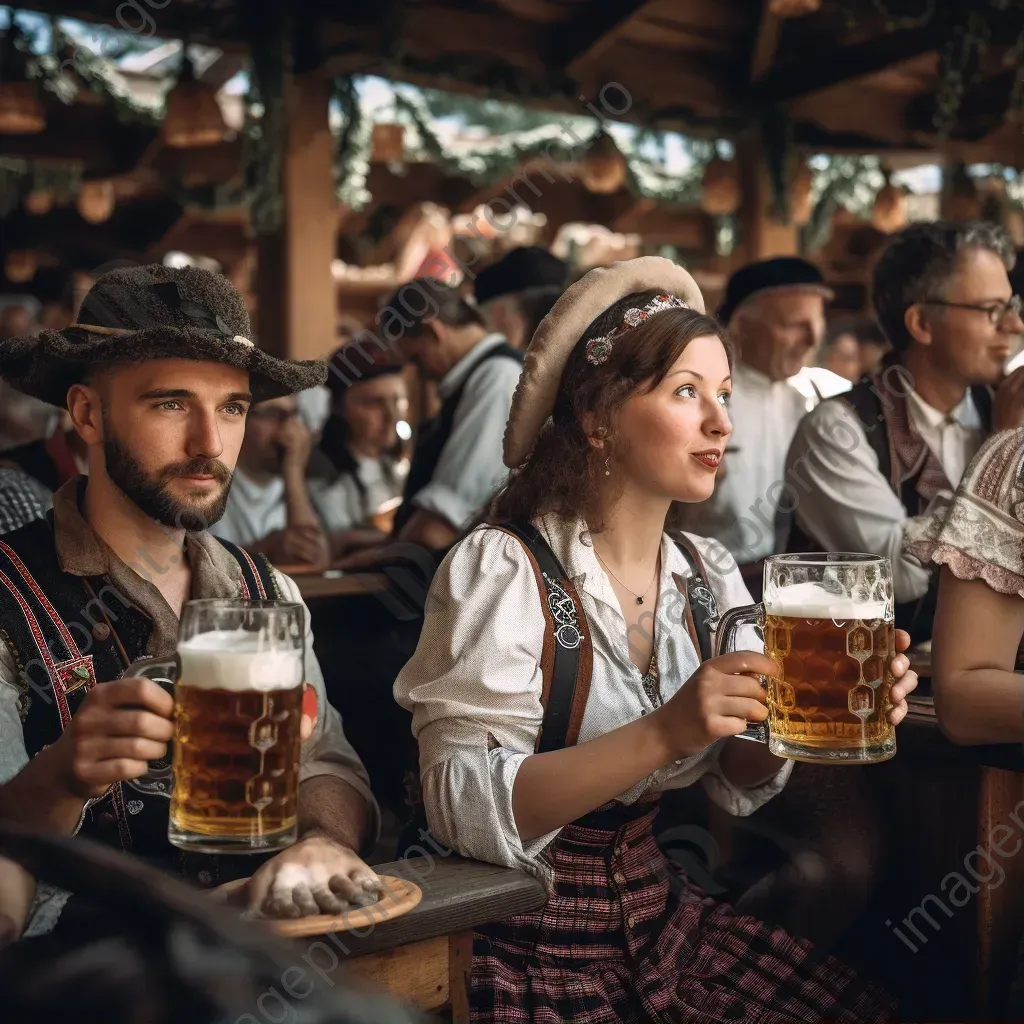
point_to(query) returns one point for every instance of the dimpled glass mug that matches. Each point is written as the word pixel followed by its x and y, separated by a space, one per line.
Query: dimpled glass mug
pixel 238 699
pixel 827 623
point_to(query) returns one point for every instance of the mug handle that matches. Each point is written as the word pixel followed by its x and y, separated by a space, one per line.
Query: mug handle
pixel 725 635
pixel 164 672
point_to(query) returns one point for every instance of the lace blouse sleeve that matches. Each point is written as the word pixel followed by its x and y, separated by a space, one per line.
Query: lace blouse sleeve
pixel 979 534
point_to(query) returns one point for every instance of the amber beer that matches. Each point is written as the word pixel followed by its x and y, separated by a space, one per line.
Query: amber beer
pixel 830 701
pixel 237 718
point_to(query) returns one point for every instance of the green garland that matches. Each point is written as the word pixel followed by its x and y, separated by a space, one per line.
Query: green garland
pixel 95 73
pixel 972 25
pixel 851 182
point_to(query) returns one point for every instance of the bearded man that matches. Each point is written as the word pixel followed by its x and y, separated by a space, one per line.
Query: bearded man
pixel 158 376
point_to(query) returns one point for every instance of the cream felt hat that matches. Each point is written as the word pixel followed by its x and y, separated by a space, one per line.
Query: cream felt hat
pixel 561 330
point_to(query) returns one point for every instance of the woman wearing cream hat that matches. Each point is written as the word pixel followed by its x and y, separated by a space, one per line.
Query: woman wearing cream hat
pixel 559 684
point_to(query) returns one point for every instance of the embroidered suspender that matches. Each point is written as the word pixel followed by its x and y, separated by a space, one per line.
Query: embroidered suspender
pixel 258 580
pixel 701 606
pixel 567 658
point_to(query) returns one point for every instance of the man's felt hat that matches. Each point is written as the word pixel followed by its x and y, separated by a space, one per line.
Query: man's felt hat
pixel 774 274
pixel 520 270
pixel 154 312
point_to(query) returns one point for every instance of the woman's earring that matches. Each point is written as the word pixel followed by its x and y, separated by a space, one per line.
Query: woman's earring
pixel 608 466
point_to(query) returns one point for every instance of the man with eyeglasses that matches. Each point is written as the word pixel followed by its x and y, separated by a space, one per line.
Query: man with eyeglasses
pixel 269 509
pixel 863 464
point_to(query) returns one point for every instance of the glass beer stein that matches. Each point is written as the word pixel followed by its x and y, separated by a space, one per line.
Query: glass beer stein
pixel 827 623
pixel 237 676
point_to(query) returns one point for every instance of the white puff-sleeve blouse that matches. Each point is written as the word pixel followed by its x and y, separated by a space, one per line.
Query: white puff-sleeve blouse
pixel 474 684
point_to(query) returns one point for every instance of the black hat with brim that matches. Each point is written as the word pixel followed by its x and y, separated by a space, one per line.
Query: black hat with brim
pixel 774 274
pixel 154 312
pixel 528 267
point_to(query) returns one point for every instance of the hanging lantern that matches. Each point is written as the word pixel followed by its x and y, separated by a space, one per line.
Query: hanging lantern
pixel 603 170
pixel 720 187
pixel 793 8
pixel 95 201
pixel 387 145
pixel 21 111
pixel 20 266
pixel 193 116
pixel 800 203
pixel 39 202
pixel 889 214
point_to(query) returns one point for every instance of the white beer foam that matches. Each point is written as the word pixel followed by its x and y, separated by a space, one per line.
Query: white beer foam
pixel 238 660
pixel 813 601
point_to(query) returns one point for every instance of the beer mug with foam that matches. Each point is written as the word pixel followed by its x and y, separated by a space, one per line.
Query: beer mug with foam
pixel 237 678
pixel 827 623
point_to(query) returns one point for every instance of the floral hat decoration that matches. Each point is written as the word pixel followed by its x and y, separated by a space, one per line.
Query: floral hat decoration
pixel 560 331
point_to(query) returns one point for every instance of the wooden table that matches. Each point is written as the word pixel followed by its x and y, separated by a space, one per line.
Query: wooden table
pixel 424 957
pixel 334 583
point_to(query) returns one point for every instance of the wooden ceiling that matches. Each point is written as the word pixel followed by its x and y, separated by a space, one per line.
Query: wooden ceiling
pixel 705 66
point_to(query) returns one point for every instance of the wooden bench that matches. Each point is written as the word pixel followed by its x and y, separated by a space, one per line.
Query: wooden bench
pixel 424 957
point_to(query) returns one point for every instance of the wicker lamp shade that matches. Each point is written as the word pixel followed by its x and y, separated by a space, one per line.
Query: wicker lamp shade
pixel 193 116
pixel 20 266
pixel 96 201
pixel 39 202
pixel 720 187
pixel 603 170
pixel 793 8
pixel 21 111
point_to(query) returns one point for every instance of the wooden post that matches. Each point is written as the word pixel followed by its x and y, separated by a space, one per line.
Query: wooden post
pixel 761 234
pixel 296 301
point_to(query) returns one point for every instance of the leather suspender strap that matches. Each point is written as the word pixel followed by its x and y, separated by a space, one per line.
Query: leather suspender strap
pixel 258 581
pixel 701 606
pixel 567 658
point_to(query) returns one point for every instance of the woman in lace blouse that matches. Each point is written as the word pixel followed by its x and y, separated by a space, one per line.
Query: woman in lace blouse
pixel 978 541
pixel 636 381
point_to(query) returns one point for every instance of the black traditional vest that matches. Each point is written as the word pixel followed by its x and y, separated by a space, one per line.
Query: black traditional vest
pixel 434 434
pixel 69 633
pixel 872 402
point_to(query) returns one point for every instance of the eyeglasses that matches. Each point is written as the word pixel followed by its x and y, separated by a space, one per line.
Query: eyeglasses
pixel 996 312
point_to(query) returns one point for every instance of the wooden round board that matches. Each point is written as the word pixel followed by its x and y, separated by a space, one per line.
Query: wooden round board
pixel 398 898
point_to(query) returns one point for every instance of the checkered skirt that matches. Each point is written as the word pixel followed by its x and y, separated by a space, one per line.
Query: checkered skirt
pixel 625 938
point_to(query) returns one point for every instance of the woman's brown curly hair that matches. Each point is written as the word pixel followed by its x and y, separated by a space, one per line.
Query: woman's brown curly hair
pixel 561 476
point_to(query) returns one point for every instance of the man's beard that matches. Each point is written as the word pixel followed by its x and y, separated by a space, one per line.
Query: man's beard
pixel 151 495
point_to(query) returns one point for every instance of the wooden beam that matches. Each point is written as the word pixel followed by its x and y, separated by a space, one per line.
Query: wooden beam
pixel 766 42
pixel 591 32
pixel 297 310
pixel 812 72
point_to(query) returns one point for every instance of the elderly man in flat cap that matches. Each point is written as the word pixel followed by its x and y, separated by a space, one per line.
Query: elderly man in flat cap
pixel 158 376
pixel 515 293
pixel 775 310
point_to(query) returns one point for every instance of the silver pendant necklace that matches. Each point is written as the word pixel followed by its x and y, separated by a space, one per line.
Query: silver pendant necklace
pixel 638 597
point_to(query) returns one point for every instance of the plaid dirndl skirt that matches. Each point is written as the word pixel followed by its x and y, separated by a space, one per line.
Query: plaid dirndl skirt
pixel 625 938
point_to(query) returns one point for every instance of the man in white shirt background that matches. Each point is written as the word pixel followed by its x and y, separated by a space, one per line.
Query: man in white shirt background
pixel 457 464
pixel 269 509
pixel 775 311
pixel 862 465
